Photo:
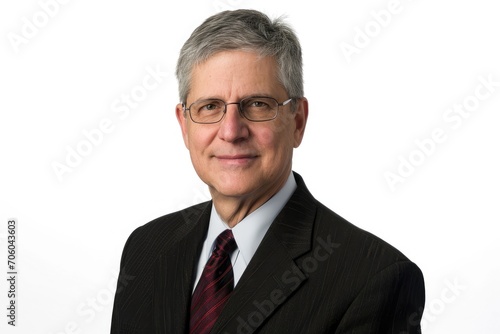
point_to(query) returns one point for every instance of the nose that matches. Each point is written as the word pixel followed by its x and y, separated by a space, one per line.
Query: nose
pixel 233 127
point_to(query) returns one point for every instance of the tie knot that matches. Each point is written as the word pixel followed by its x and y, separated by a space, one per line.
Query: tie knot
pixel 225 242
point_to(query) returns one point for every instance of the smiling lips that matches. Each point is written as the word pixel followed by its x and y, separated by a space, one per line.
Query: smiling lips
pixel 236 159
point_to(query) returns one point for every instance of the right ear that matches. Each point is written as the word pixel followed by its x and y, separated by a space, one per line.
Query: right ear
pixel 181 118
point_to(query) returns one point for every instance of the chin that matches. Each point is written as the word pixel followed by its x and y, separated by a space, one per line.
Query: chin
pixel 232 182
pixel 232 189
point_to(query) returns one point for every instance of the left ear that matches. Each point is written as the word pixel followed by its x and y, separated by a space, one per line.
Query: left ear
pixel 300 119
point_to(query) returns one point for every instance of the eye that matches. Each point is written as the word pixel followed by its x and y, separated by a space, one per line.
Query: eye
pixel 258 104
pixel 209 105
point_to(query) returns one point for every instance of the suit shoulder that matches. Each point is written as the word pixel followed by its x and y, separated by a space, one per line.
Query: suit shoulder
pixel 356 238
pixel 166 229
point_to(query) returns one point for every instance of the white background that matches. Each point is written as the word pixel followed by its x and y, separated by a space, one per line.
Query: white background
pixel 366 112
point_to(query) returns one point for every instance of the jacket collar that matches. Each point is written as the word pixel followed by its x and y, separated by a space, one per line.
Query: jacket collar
pixel 174 273
pixel 272 275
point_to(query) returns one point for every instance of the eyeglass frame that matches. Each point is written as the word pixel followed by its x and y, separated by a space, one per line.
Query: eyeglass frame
pixel 240 108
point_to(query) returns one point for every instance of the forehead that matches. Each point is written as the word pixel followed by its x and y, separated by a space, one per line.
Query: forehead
pixel 235 74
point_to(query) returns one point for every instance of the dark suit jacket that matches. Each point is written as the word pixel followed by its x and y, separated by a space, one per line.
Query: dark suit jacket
pixel 314 272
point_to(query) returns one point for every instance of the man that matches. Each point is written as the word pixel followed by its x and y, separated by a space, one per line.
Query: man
pixel 263 256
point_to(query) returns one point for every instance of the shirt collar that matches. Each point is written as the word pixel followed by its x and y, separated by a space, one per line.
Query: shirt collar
pixel 249 232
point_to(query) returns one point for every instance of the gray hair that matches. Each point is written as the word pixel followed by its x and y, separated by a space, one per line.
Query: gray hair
pixel 247 30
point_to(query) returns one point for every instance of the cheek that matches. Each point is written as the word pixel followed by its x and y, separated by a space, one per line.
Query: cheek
pixel 198 144
pixel 198 138
pixel 277 141
pixel 266 138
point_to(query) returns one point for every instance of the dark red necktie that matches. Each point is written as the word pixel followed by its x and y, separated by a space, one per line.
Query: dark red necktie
pixel 215 285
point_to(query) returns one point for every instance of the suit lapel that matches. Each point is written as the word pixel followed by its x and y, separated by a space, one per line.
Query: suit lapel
pixel 272 275
pixel 175 270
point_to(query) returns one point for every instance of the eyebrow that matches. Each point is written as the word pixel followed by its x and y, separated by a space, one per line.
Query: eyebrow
pixel 214 97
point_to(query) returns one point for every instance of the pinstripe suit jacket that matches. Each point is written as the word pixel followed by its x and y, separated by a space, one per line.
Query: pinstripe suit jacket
pixel 313 272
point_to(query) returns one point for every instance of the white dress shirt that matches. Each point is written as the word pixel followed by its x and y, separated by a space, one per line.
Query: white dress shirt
pixel 248 233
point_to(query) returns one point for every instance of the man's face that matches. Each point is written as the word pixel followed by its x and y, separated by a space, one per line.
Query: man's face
pixel 236 157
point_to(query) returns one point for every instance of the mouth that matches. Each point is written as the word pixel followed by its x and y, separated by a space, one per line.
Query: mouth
pixel 236 159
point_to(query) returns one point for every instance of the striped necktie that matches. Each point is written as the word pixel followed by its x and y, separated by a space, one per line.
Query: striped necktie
pixel 215 286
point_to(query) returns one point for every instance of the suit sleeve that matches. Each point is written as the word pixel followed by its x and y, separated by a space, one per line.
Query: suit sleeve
pixel 121 285
pixel 391 302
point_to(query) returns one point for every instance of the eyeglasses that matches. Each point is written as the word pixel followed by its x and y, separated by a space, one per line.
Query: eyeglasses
pixel 253 108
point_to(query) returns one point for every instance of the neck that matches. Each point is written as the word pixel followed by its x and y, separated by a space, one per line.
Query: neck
pixel 233 209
